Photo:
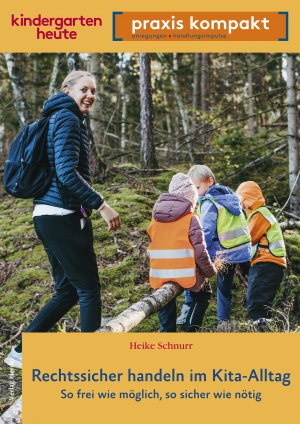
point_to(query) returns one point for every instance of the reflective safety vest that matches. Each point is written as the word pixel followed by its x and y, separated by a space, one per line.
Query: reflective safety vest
pixel 172 256
pixel 232 229
pixel 274 235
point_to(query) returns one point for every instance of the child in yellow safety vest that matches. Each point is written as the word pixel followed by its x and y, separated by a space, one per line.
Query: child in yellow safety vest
pixel 268 255
pixel 226 235
pixel 178 252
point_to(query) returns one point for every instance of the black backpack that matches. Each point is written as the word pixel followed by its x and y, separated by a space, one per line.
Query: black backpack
pixel 27 171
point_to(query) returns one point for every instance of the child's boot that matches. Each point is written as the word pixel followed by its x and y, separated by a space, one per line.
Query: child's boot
pixel 183 314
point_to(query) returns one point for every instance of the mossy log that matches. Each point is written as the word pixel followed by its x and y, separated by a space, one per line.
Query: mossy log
pixel 132 316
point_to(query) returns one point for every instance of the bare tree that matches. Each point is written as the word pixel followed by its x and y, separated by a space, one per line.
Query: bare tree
pixel 123 99
pixel 168 117
pixel 94 67
pixel 251 122
pixel 55 70
pixel 34 77
pixel 2 143
pixel 147 143
pixel 13 63
pixel 73 61
pixel 2 130
pixel 196 89
pixel 181 106
pixel 204 93
pixel 233 81
pixel 292 115
pixel 94 123
pixel 204 81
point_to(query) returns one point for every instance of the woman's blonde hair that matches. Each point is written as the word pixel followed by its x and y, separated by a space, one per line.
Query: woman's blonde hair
pixel 201 172
pixel 72 78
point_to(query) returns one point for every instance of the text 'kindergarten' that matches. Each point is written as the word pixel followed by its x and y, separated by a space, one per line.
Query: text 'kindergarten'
pixel 61 28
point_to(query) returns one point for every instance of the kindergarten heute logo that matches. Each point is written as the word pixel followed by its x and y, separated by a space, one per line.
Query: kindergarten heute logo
pixel 200 26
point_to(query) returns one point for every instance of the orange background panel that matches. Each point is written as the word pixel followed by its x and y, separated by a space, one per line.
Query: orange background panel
pixel 100 39
pixel 80 352
pixel 276 25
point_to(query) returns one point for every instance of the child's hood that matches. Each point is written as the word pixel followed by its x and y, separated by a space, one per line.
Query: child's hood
pixel 170 206
pixel 250 191
pixel 225 197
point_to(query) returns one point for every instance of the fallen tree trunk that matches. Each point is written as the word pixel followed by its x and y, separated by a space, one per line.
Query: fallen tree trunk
pixel 291 224
pixel 13 414
pixel 135 314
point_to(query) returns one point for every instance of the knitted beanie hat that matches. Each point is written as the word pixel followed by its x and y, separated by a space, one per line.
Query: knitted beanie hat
pixel 182 184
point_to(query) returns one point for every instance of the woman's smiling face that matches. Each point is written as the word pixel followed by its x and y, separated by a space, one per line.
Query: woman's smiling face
pixel 84 93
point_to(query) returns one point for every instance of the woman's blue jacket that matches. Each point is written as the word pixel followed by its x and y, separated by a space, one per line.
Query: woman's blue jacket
pixel 68 154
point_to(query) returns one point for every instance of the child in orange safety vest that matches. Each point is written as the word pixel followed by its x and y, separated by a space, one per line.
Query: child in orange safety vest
pixel 268 255
pixel 178 252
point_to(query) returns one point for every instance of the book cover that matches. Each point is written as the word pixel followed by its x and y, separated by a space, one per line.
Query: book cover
pixel 150 211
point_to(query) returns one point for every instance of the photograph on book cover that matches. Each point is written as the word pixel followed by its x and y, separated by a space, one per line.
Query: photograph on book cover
pixel 150 187
pixel 190 165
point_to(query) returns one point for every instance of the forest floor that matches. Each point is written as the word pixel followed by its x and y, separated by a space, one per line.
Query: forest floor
pixel 26 283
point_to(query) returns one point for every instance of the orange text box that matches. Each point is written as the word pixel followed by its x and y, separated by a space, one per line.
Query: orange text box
pixel 200 26
pixel 141 377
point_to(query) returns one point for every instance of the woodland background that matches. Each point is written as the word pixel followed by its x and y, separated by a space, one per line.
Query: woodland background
pixel 155 115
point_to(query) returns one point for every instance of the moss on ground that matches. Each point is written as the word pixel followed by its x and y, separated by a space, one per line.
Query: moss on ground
pixel 121 256
pixel 25 279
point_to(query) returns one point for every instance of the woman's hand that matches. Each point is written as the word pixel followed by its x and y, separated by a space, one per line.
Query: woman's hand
pixel 110 216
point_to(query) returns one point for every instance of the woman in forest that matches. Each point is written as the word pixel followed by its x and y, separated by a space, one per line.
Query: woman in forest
pixel 61 215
